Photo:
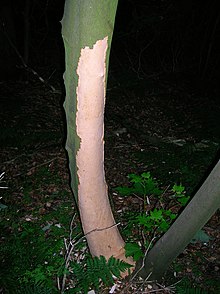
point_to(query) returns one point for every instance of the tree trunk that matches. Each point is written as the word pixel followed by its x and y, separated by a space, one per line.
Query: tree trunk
pixel 203 205
pixel 87 29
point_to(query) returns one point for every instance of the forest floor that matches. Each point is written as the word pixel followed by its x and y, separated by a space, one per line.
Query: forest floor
pixel 151 125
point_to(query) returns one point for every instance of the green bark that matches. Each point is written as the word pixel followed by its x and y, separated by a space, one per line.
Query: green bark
pixel 84 22
pixel 87 29
pixel 203 205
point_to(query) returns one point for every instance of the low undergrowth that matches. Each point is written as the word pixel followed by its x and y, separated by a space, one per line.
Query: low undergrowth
pixel 34 222
pixel 44 251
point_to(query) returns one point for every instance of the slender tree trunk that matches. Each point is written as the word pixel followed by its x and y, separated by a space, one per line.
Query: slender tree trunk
pixel 203 205
pixel 87 29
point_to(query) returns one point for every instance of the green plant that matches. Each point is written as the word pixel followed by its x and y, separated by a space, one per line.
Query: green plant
pixel 179 194
pixel 143 185
pixel 151 223
pixel 31 255
pixel 157 220
pixel 35 289
pixel 134 250
pixel 41 275
pixel 94 270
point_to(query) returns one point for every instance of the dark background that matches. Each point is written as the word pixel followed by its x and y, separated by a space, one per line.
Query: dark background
pixel 172 39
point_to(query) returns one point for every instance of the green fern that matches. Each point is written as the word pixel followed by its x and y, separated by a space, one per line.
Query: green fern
pixel 34 289
pixel 94 270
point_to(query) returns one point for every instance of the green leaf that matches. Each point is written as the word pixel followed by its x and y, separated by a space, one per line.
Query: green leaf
pixel 134 250
pixel 164 226
pixel 93 270
pixel 143 219
pixel 142 185
pixel 183 200
pixel 146 175
pixel 124 191
pixel 156 214
pixel 170 214
pixel 139 189
pixel 116 266
pixel 178 189
pixel 151 187
pixel 134 178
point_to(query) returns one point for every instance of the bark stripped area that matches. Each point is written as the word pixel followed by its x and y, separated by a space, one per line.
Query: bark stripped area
pixel 96 216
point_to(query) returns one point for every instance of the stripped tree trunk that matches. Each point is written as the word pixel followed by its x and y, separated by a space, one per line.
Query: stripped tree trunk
pixel 87 29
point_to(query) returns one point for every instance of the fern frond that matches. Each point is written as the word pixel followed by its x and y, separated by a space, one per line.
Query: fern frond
pixel 116 266
pixel 92 270
pixel 34 289
pixel 95 270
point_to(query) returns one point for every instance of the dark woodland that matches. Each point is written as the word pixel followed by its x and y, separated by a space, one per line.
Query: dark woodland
pixel 162 116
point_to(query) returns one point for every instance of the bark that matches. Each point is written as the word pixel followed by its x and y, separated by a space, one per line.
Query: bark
pixel 203 205
pixel 87 29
